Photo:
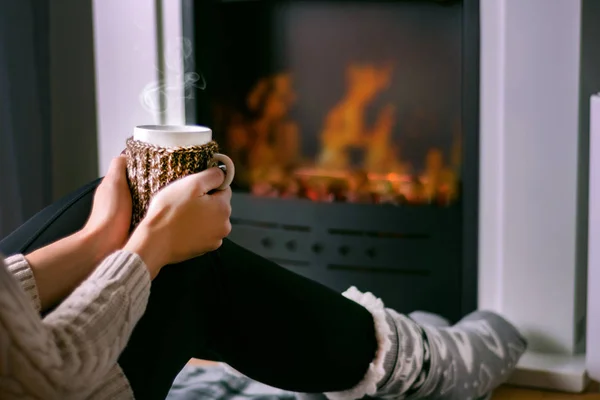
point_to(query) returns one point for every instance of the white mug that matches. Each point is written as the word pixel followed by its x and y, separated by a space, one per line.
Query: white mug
pixel 174 136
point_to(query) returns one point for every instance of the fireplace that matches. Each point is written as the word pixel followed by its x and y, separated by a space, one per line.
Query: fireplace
pixel 354 128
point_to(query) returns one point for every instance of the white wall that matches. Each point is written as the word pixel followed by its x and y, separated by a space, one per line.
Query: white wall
pixel 590 84
pixel 127 66
pixel 125 52
pixel 593 328
pixel 177 49
pixel 529 168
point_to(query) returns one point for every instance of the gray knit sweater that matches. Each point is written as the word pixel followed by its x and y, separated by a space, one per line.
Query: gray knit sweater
pixel 71 353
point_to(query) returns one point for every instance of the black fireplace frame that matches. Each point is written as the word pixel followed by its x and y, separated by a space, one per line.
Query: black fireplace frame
pixel 247 207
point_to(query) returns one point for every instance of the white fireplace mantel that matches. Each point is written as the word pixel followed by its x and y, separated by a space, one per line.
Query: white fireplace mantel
pixel 529 142
pixel 529 266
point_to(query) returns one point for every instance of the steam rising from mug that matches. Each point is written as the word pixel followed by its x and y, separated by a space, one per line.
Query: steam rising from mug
pixel 155 95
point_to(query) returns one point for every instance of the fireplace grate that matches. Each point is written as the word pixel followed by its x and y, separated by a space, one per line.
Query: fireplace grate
pixel 386 250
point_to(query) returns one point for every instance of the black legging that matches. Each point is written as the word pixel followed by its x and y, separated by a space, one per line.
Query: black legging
pixel 232 306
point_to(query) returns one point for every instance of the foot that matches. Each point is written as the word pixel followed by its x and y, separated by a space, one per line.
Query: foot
pixel 421 356
pixel 464 362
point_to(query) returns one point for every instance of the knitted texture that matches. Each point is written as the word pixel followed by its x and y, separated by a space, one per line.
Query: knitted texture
pixel 71 353
pixel 20 270
pixel 150 168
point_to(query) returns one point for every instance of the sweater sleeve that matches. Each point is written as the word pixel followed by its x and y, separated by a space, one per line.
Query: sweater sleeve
pixel 69 353
pixel 20 269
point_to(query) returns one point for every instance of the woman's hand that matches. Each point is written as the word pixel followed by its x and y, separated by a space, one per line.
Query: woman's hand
pixel 110 218
pixel 61 266
pixel 183 221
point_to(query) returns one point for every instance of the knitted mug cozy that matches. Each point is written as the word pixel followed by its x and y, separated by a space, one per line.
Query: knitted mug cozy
pixel 150 168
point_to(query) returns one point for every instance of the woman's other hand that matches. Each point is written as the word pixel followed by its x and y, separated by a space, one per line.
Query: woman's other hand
pixel 184 220
pixel 61 266
pixel 110 219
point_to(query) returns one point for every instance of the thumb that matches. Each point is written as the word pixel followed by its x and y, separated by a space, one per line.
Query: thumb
pixel 208 180
pixel 117 169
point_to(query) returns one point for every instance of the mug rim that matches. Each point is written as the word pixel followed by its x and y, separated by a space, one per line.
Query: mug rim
pixel 174 128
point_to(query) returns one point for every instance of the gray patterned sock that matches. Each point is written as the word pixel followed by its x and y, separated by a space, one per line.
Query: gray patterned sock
pixel 428 359
pixel 406 358
pixel 463 362
pixel 424 318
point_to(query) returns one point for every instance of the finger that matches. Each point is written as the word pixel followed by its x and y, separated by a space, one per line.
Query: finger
pixel 117 169
pixel 226 229
pixel 223 202
pixel 222 195
pixel 208 180
pixel 216 245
